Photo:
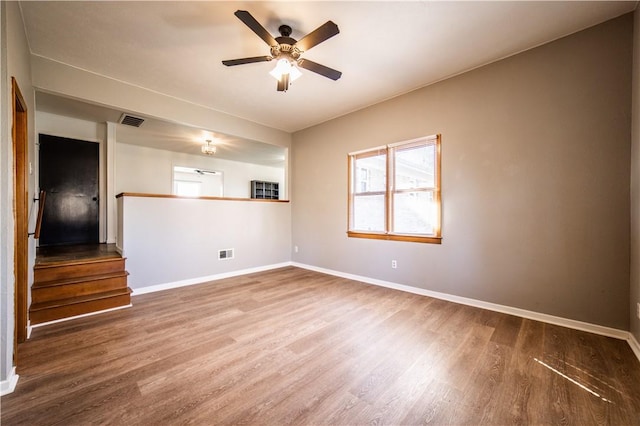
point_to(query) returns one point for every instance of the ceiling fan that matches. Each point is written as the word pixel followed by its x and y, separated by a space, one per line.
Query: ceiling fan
pixel 287 51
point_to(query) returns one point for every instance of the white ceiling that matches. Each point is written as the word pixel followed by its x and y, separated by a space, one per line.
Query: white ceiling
pixel 384 48
pixel 164 135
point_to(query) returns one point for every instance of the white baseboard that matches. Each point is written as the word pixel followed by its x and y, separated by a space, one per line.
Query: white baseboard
pixel 202 280
pixel 537 316
pixel 551 319
pixel 9 385
pixel 42 324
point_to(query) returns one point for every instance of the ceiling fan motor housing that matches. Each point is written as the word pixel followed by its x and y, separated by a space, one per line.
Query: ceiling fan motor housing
pixel 286 47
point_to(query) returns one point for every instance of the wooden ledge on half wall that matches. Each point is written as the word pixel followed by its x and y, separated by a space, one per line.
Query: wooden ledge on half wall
pixel 181 197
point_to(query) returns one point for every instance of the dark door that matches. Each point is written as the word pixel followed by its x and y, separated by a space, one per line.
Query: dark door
pixel 69 175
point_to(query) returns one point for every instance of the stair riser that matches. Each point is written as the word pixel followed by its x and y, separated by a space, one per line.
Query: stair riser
pixel 52 314
pixel 52 273
pixel 77 289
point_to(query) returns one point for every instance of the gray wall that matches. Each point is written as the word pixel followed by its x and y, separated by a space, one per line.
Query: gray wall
pixel 168 240
pixel 535 158
pixel 635 182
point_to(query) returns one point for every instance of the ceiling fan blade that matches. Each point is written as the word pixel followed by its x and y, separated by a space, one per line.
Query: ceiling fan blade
pixel 241 61
pixel 317 36
pixel 319 69
pixel 256 27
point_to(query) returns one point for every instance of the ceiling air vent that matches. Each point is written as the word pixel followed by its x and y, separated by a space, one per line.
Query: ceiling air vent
pixel 131 120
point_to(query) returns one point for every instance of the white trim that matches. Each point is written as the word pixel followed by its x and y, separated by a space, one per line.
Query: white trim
pixel 29 329
pixel 42 324
pixel 551 319
pixel 9 385
pixel 635 346
pixel 202 280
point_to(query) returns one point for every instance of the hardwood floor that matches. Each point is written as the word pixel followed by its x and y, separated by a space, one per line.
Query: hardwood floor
pixel 295 346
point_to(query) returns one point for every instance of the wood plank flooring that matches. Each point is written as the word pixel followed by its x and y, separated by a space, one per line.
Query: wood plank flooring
pixel 59 254
pixel 291 346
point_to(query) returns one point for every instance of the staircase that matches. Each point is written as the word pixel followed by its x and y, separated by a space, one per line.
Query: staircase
pixel 71 287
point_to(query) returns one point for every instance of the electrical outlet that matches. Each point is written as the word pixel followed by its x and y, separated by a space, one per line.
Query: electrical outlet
pixel 295 249
pixel 394 264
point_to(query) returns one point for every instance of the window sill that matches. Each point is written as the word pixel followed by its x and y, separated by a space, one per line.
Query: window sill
pixel 395 237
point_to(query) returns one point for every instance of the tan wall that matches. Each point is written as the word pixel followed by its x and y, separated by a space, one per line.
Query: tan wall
pixel 635 182
pixel 535 157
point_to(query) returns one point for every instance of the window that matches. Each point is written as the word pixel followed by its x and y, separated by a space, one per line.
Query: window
pixel 192 182
pixel 394 192
pixel 186 188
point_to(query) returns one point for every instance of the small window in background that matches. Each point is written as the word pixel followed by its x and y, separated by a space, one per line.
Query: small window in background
pixel 193 182
pixel 186 188
pixel 394 192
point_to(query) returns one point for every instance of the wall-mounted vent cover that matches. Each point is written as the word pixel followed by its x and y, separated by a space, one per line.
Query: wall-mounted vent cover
pixel 131 120
pixel 225 254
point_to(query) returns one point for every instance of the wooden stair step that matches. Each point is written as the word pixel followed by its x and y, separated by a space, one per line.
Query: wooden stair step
pixel 74 280
pixel 63 289
pixel 76 268
pixel 78 299
pixel 63 308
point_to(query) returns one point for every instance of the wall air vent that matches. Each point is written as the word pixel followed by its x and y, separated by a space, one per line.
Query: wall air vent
pixel 131 120
pixel 225 254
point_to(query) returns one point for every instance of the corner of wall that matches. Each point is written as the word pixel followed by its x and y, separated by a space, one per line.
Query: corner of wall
pixel 634 285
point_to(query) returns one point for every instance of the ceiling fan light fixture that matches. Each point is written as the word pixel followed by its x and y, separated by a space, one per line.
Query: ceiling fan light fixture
pixel 284 66
pixel 208 148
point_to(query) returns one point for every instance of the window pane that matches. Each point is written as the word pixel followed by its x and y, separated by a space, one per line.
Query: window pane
pixel 415 167
pixel 186 188
pixel 414 213
pixel 370 174
pixel 368 213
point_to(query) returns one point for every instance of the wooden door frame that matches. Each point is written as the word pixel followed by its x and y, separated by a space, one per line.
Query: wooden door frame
pixel 21 214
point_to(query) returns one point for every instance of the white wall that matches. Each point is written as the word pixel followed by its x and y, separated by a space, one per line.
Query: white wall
pixel 147 170
pixel 635 182
pixel 535 162
pixel 15 62
pixel 6 220
pixel 167 240
pixel 63 79
pixel 67 127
